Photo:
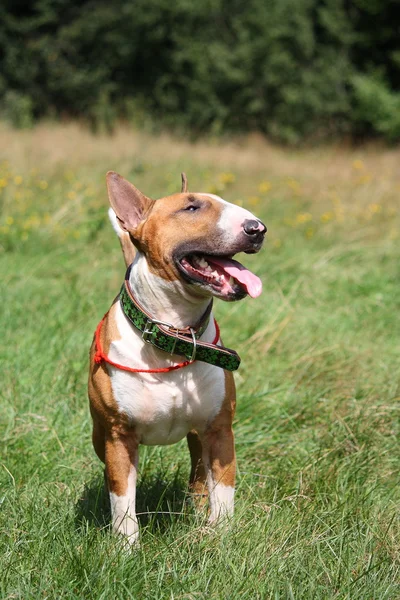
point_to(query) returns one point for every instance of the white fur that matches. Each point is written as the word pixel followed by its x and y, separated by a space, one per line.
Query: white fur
pixel 116 226
pixel 164 407
pixel 232 218
pixel 123 510
pixel 221 499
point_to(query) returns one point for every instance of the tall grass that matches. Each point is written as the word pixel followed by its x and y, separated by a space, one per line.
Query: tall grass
pixel 318 391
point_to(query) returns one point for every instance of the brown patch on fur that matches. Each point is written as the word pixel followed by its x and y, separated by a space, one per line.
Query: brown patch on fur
pixel 128 249
pixel 103 406
pixel 121 452
pixel 219 438
pixel 168 226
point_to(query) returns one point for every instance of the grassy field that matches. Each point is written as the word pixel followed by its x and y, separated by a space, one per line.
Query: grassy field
pixel 318 391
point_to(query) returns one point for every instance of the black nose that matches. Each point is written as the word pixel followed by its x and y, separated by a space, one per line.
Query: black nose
pixel 254 228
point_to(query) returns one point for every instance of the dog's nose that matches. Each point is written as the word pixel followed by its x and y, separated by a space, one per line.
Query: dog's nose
pixel 254 228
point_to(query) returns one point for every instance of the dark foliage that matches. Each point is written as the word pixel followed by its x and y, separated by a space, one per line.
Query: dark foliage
pixel 293 69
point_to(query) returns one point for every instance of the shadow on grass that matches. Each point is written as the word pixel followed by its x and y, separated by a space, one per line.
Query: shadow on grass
pixel 159 503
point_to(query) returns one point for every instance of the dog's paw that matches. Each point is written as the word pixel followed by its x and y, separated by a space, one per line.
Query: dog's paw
pixel 128 530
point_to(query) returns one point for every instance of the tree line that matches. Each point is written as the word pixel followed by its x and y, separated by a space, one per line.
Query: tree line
pixel 293 69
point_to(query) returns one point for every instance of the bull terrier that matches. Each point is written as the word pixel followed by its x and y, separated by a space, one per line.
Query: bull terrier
pixel 158 369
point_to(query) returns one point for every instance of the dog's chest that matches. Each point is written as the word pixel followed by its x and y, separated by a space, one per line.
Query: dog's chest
pixel 163 407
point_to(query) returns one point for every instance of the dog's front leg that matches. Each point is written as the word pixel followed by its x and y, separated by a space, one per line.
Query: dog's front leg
pixel 219 458
pixel 121 457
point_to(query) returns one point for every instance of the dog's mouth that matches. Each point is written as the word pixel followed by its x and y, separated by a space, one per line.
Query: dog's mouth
pixel 223 276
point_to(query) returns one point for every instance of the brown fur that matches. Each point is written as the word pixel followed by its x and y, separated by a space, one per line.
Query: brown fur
pixel 157 246
pixel 103 407
pixel 121 451
pixel 128 248
pixel 219 439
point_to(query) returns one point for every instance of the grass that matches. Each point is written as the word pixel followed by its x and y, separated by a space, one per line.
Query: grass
pixel 318 412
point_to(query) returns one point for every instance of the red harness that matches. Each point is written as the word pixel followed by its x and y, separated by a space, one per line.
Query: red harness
pixel 99 356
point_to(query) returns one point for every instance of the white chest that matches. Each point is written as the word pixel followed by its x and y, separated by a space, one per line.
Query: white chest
pixel 163 407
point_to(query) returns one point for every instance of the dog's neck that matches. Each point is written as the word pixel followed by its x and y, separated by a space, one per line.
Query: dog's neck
pixel 167 301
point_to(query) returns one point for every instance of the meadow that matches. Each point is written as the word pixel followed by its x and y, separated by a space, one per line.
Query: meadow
pixel 317 424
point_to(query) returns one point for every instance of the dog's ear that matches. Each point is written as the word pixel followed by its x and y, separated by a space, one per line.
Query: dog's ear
pixel 129 204
pixel 184 183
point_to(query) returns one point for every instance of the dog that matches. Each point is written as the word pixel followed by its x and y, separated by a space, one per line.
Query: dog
pixel 158 369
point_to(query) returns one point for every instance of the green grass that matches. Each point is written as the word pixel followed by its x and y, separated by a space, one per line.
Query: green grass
pixel 317 513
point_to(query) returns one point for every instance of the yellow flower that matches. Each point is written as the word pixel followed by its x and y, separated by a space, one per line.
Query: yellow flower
pixel 358 165
pixel 18 180
pixel 227 178
pixel 71 195
pixel 309 232
pixel 3 182
pixel 327 216
pixel 43 184
pixel 374 208
pixel 264 187
pixel 304 217
pixel 9 221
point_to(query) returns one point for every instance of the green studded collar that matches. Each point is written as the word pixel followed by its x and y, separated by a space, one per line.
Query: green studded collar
pixel 166 337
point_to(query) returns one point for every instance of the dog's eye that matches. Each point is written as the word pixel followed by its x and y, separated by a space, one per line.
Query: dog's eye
pixel 192 207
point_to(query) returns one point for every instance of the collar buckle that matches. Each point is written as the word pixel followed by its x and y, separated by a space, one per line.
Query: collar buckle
pixel 149 331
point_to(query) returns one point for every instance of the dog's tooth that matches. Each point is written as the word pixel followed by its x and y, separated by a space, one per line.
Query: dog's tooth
pixel 202 262
pixel 208 268
pixel 231 281
pixel 215 273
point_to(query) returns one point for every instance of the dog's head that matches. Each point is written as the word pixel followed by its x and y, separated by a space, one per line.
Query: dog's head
pixel 191 237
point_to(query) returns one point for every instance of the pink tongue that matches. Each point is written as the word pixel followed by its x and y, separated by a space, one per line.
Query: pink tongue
pixel 251 282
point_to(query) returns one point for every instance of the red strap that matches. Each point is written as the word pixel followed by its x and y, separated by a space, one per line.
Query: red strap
pixel 99 356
